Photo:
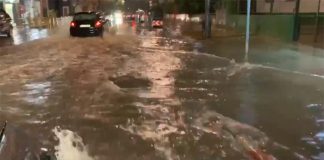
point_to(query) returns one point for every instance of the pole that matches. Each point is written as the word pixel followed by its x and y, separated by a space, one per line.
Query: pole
pixel 296 22
pixel 247 34
pixel 271 6
pixel 317 21
pixel 238 7
pixel 207 19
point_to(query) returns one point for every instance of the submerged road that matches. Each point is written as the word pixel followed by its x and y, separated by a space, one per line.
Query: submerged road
pixel 142 95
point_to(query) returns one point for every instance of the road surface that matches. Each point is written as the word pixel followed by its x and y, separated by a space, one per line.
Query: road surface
pixel 143 95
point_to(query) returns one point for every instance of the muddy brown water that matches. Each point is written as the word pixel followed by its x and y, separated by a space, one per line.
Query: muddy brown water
pixel 148 96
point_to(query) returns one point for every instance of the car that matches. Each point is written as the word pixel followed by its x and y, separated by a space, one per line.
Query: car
pixel 157 18
pixel 5 25
pixel 157 23
pixel 86 24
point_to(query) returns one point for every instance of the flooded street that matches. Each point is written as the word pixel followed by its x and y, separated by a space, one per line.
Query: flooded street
pixel 144 95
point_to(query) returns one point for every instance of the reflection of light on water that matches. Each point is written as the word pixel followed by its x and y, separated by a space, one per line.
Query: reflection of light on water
pixel 317 141
pixel 21 35
pixel 37 93
pixel 2 142
pixel 70 146
pixel 158 63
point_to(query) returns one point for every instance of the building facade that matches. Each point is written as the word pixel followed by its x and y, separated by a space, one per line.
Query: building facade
pixel 62 8
pixel 278 18
pixel 288 6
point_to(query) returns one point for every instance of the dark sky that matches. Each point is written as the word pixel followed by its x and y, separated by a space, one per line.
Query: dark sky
pixel 133 5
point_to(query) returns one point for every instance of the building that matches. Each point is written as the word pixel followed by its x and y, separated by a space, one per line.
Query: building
pixel 62 8
pixel 278 18
pixel 288 6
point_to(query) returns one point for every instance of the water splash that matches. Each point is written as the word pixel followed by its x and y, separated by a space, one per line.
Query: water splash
pixel 71 146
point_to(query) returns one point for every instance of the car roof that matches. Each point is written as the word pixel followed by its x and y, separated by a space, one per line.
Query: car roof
pixel 85 13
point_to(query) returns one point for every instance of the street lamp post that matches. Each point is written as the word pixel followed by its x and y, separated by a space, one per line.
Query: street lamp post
pixel 317 21
pixel 296 22
pixel 247 34
pixel 207 19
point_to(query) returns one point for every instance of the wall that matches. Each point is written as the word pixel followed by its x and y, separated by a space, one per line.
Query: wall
pixel 284 6
pixel 277 26
pixel 58 5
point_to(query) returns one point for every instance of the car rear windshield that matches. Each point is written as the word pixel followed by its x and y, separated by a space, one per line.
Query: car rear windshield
pixel 84 16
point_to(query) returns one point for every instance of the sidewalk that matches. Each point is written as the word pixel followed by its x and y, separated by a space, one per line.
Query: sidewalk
pixel 226 42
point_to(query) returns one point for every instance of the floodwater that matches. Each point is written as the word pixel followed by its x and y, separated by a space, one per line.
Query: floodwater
pixel 143 95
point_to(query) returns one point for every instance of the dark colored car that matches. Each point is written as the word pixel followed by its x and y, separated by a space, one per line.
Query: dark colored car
pixel 157 23
pixel 157 18
pixel 5 24
pixel 86 24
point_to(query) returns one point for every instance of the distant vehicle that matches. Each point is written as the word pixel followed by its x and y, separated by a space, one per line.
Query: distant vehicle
pixel 157 18
pixel 87 24
pixel 5 24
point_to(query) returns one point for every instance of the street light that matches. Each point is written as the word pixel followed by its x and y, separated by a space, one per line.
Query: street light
pixel 247 34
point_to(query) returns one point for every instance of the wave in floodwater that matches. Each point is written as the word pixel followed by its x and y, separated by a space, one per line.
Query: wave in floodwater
pixel 233 136
pixel 235 68
pixel 70 146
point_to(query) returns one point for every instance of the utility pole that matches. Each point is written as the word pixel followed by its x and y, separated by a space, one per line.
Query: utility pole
pixel 247 34
pixel 317 21
pixel 150 15
pixel 296 30
pixel 207 19
pixel 271 6
pixel 238 7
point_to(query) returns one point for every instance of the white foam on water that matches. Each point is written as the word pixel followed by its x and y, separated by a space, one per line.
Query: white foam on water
pixel 241 137
pixel 235 68
pixel 209 55
pixel 157 129
pixel 156 133
pixel 70 146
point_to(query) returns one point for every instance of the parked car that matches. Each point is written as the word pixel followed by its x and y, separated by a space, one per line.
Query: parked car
pixel 5 24
pixel 87 24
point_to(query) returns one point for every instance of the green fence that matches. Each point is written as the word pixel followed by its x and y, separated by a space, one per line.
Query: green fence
pixel 310 19
pixel 278 26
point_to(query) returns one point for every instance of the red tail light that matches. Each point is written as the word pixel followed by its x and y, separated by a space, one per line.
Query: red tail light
pixel 98 24
pixel 157 23
pixel 73 24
